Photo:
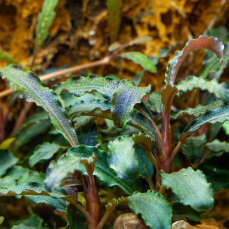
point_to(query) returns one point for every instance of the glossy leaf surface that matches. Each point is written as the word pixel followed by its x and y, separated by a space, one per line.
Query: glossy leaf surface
pixel 154 209
pixel 71 161
pixel 190 187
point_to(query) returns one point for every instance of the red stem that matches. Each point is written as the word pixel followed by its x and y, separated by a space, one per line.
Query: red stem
pixel 92 198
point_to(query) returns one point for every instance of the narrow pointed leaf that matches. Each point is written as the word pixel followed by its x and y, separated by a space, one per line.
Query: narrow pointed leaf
pixel 141 59
pixel 219 115
pixel 202 42
pixel 45 19
pixel 154 209
pixel 71 161
pixel 190 187
pixel 32 89
pixel 114 18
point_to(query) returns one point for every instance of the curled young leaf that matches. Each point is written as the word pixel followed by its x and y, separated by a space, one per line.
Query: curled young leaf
pixel 202 42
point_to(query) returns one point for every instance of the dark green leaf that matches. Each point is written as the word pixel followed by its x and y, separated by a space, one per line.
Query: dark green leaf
pixel 7 160
pixel 33 222
pixel 193 147
pixel 141 59
pixel 144 164
pixel 198 110
pixel 57 204
pixel 180 212
pixel 31 87
pixel 29 133
pixel 71 161
pixel 45 19
pixel 124 100
pixel 219 115
pixel 190 187
pixel 216 170
pixel 124 94
pixel 155 210
pixel 43 152
pixel 88 103
pixel 76 220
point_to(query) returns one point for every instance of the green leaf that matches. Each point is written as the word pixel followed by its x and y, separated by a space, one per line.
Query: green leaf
pixel 20 175
pixel 210 65
pixel 141 59
pixel 71 161
pixel 226 127
pixel 180 212
pixel 114 18
pixel 198 110
pixel 76 220
pixel 88 103
pixel 122 157
pixel 216 170
pixel 154 102
pixel 202 42
pixel 7 160
pixel 193 147
pixel 45 19
pixel 219 115
pixel 20 188
pixel 6 57
pixel 30 133
pixel 137 78
pixel 224 64
pixel 212 86
pixel 32 89
pixel 43 152
pixel 217 148
pixel 33 222
pixel 57 204
pixel 155 210
pixel 124 94
pixel 144 164
pixel 190 187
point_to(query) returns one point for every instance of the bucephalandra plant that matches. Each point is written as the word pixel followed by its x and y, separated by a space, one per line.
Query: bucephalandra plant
pixel 137 148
